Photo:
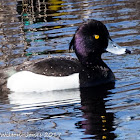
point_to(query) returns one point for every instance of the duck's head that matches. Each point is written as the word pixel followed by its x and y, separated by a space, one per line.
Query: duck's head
pixel 92 39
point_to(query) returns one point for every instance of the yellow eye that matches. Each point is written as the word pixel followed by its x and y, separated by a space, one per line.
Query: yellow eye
pixel 96 36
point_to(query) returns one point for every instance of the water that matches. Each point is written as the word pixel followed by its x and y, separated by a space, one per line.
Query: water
pixel 32 30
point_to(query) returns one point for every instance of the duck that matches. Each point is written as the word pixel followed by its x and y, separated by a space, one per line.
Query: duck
pixel 90 41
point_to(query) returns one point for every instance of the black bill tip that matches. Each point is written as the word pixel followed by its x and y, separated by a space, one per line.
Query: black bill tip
pixel 127 51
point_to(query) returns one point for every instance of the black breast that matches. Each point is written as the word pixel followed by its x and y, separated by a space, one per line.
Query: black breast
pixel 96 75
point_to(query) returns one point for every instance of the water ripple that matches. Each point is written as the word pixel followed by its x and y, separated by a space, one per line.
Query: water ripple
pixel 28 28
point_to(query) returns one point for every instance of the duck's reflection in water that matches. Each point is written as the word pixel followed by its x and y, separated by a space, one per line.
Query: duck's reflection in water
pixel 98 123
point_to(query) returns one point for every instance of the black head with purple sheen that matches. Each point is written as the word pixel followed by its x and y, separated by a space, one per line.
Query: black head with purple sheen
pixel 90 40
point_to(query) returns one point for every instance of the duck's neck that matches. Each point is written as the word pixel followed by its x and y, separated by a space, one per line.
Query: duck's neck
pixel 92 61
pixel 95 72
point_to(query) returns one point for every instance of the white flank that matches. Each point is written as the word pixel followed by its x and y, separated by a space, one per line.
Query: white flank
pixel 26 81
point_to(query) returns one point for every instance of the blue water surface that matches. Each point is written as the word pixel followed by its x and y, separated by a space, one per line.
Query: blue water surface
pixel 34 29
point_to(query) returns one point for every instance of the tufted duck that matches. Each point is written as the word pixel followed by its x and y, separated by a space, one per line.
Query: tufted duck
pixel 90 40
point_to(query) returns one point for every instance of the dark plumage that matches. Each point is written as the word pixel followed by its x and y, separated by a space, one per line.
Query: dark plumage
pixel 88 50
pixel 57 66
pixel 89 42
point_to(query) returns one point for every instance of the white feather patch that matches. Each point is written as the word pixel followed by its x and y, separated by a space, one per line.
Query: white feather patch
pixel 26 81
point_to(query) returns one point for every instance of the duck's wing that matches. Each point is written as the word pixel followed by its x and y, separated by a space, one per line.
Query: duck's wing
pixel 56 66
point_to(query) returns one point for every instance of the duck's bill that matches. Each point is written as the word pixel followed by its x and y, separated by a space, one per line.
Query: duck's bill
pixel 116 49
